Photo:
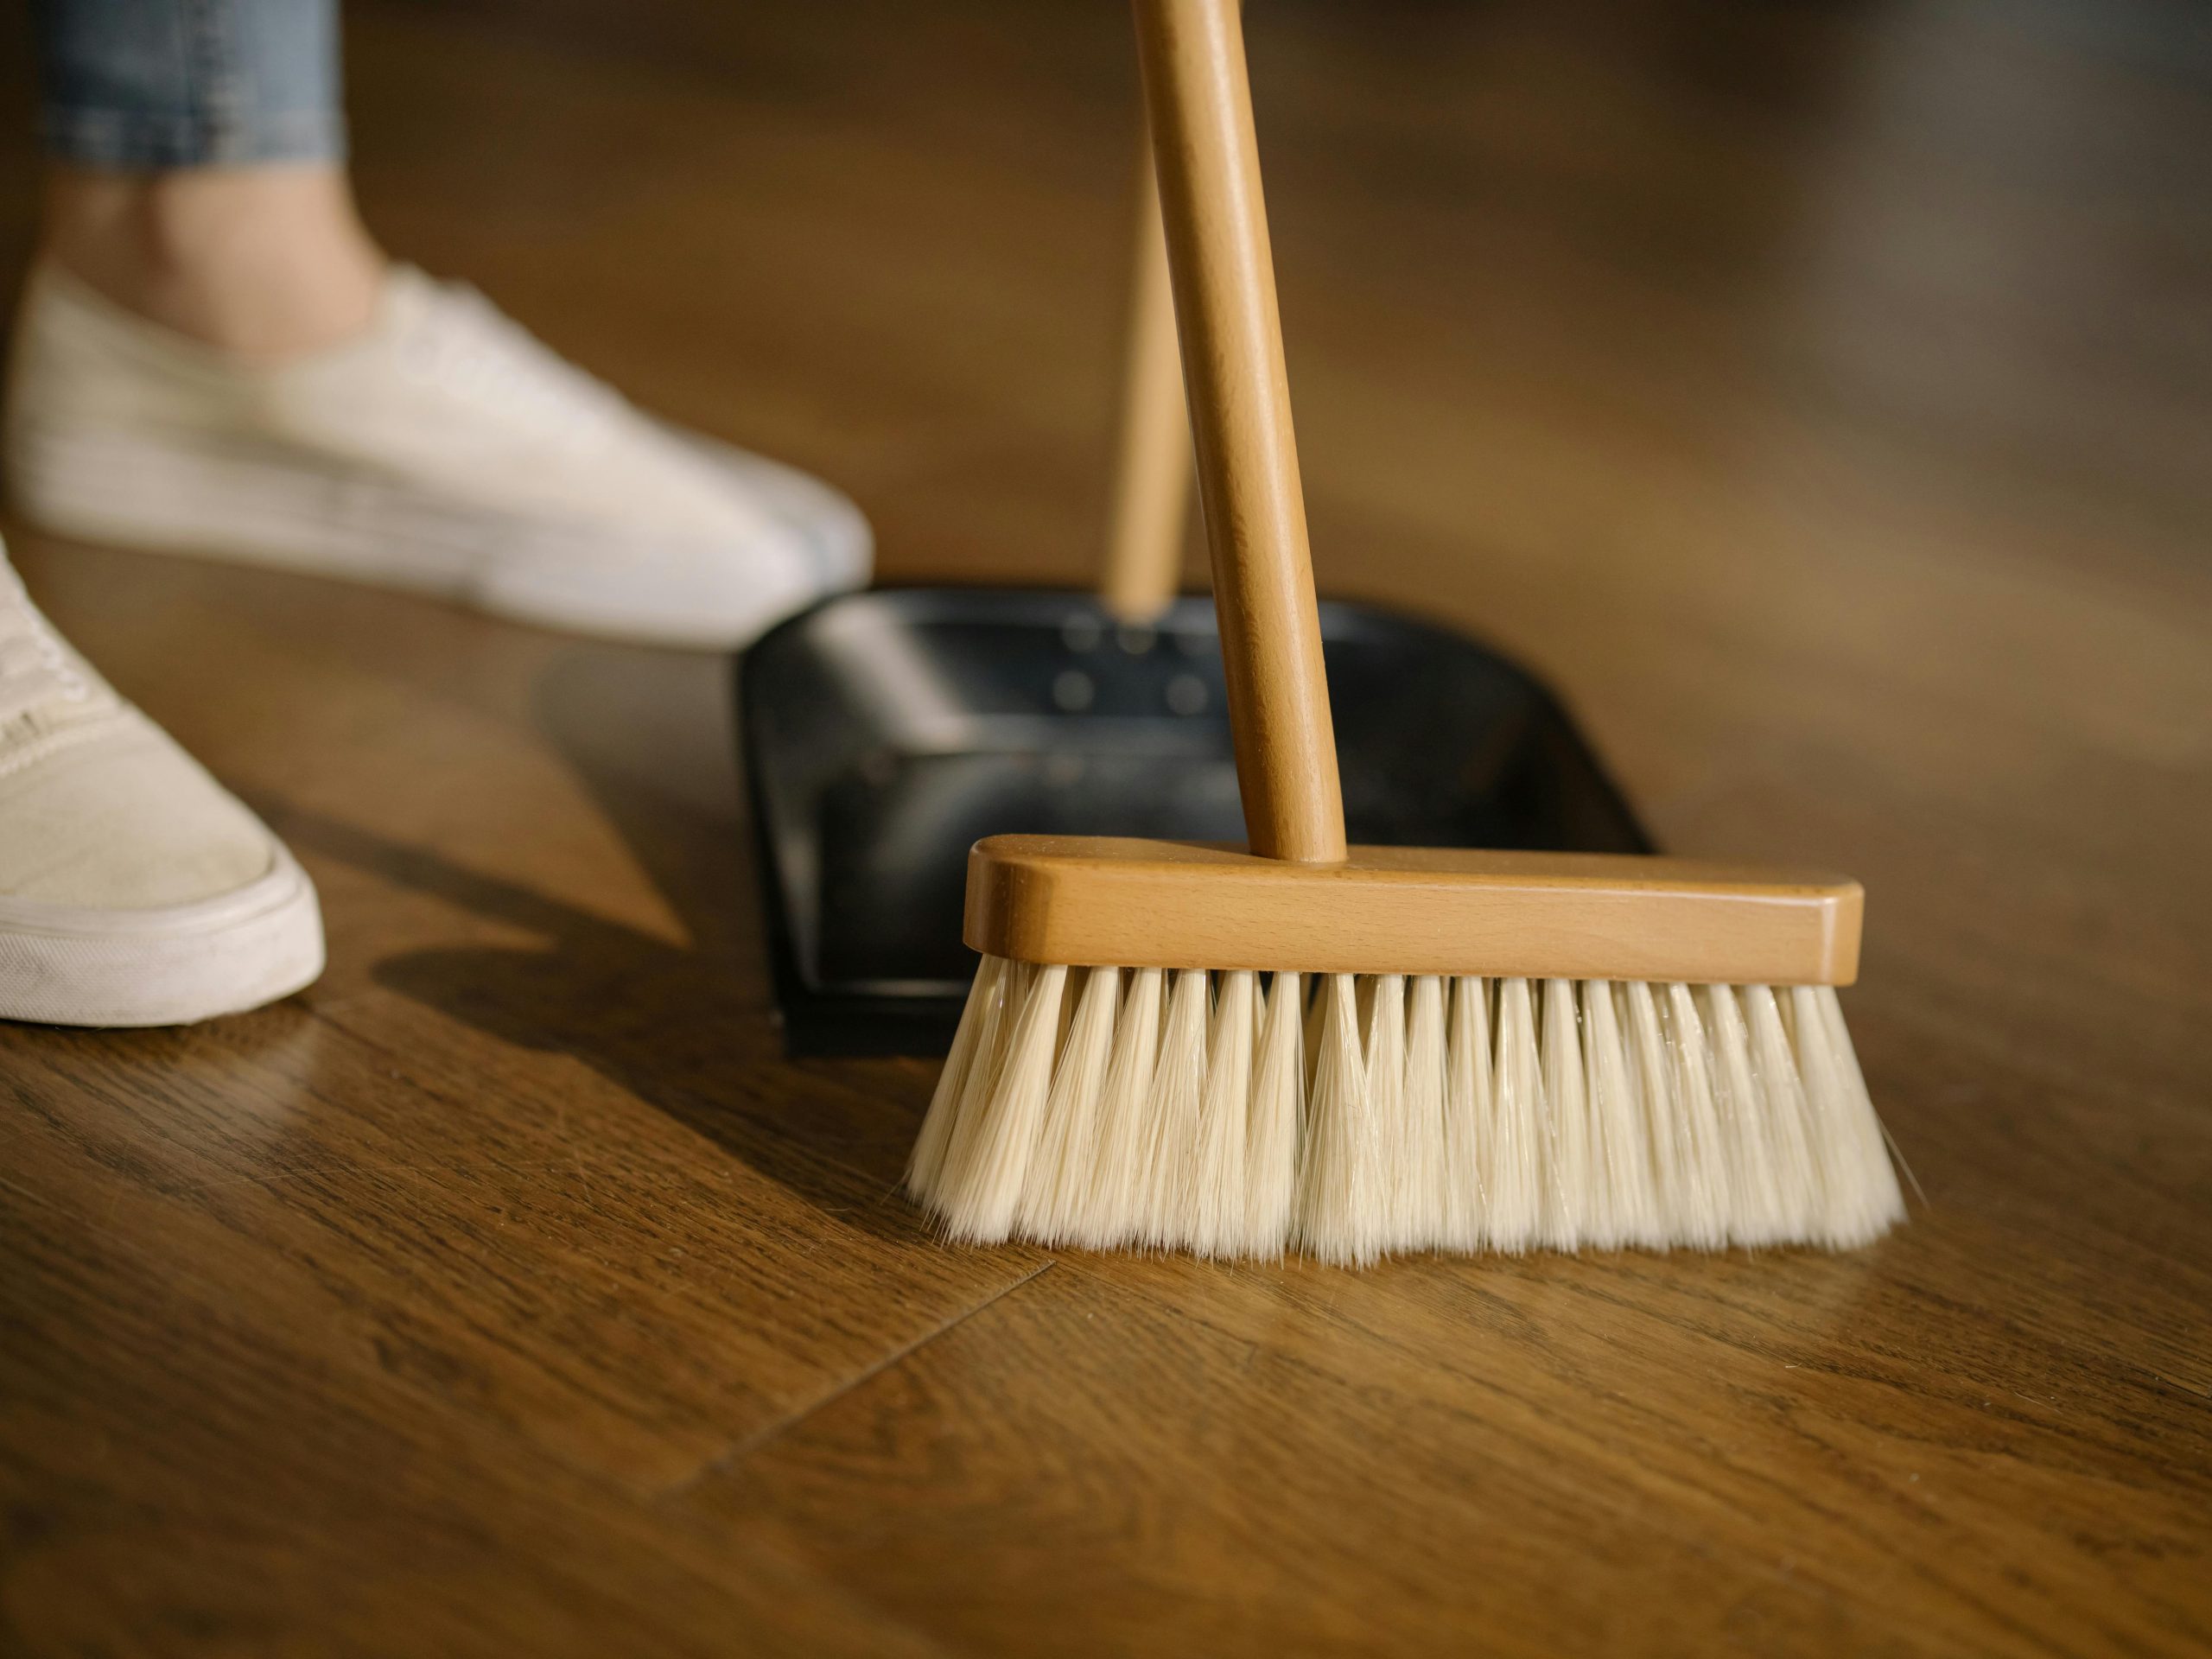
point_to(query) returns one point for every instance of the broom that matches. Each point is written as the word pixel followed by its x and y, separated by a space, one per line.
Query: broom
pixel 1353 1051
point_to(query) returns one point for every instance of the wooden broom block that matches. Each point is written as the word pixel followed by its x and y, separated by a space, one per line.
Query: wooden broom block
pixel 1093 902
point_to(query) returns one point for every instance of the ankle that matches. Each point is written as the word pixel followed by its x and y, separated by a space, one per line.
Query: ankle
pixel 265 262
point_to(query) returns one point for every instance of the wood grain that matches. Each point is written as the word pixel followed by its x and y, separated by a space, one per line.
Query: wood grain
pixel 1104 901
pixel 1205 154
pixel 1816 395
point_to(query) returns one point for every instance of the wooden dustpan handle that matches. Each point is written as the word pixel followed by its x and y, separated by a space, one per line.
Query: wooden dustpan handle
pixel 1152 470
pixel 1200 103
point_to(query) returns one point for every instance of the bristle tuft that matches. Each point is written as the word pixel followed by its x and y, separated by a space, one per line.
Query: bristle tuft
pixel 1274 1130
pixel 1512 1140
pixel 1344 1193
pixel 1863 1201
pixel 1625 1193
pixel 1056 1186
pixel 1108 1208
pixel 1467 1108
pixel 1384 1068
pixel 1426 1184
pixel 1214 1224
pixel 1702 1209
pixel 980 1185
pixel 927 1162
pixel 1169 1203
pixel 1573 1202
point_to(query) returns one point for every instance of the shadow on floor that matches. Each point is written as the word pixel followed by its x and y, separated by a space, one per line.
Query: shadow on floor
pixel 689 1028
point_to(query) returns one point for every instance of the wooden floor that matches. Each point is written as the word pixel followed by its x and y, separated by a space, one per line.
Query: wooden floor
pixel 1821 395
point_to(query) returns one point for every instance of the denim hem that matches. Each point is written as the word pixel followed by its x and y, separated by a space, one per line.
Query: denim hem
pixel 126 141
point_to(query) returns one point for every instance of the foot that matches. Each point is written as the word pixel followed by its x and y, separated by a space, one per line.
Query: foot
pixel 134 889
pixel 440 449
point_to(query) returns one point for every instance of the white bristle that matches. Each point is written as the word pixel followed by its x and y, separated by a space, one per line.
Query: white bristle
pixel 1797 1187
pixel 1385 1070
pixel 1428 1176
pixel 1467 1110
pixel 1863 1201
pixel 1215 1223
pixel 1512 1172
pixel 1702 1211
pixel 1774 1069
pixel 1317 1008
pixel 1770 1170
pixel 1343 1192
pixel 1167 1207
pixel 984 1001
pixel 1271 1138
pixel 1110 1210
pixel 980 1087
pixel 994 1027
pixel 1058 1185
pixel 980 1185
pixel 1569 1210
pixel 1190 1111
pixel 1627 1203
pixel 1651 1081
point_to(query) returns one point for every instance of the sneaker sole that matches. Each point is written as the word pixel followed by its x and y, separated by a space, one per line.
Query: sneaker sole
pixel 212 501
pixel 65 965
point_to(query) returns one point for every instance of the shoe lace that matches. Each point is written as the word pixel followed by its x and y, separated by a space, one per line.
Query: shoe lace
pixel 35 668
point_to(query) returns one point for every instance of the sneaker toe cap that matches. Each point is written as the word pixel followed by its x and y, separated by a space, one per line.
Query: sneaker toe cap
pixel 833 532
pixel 709 592
pixel 126 821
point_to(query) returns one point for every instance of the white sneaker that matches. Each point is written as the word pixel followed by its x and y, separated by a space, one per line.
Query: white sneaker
pixel 442 450
pixel 134 889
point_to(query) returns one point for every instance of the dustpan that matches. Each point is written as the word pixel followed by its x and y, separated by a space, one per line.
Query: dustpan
pixel 884 732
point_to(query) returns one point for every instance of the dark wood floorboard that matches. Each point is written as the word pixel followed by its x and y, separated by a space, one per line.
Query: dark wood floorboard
pixel 1821 396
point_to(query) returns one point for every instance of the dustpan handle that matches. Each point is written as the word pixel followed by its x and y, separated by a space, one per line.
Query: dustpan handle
pixel 1200 103
pixel 1151 469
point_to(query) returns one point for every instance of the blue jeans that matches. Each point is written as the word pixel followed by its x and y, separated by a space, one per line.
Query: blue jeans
pixel 134 85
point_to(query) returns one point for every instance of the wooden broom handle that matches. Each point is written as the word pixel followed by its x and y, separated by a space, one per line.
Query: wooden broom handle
pixel 1200 102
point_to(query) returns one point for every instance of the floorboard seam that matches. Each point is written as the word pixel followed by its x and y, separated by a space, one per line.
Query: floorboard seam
pixel 736 1453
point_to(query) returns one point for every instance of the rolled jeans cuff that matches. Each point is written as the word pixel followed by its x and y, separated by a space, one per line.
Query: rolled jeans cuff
pixel 134 141
pixel 147 85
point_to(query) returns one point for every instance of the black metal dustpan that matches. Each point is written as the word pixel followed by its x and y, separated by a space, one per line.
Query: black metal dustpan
pixel 885 733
